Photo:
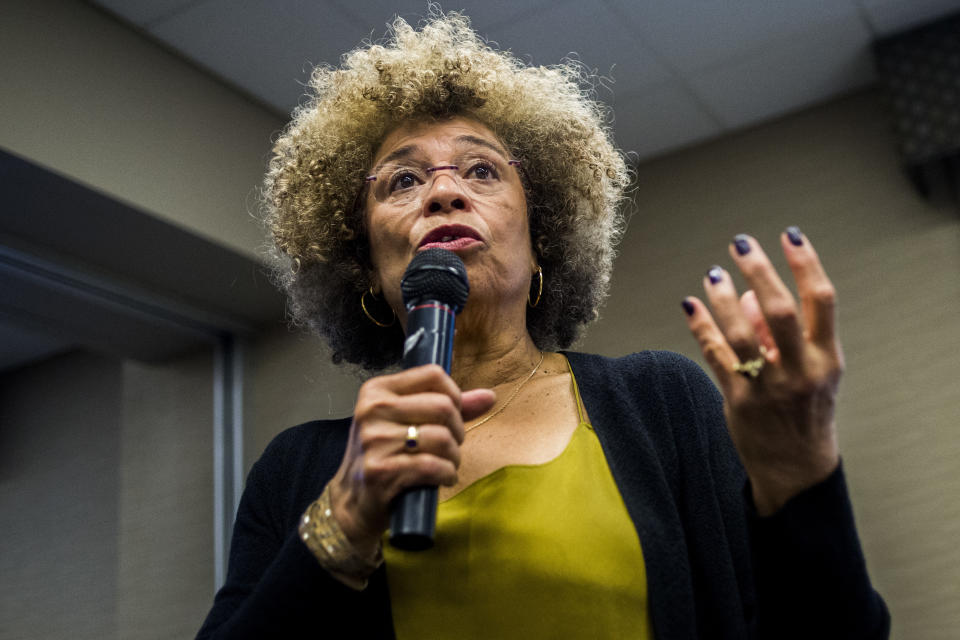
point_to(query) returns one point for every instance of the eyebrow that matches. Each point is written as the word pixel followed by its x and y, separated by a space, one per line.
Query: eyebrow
pixel 474 140
pixel 403 152
pixel 411 149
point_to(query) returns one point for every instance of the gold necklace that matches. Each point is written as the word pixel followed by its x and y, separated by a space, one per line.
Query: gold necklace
pixel 509 400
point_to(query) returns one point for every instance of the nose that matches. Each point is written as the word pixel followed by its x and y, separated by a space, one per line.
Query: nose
pixel 445 194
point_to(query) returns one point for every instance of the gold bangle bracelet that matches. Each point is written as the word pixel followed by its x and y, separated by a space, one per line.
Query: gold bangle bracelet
pixel 322 535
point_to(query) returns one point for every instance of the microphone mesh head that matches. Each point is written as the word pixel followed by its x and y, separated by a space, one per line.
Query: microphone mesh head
pixel 435 274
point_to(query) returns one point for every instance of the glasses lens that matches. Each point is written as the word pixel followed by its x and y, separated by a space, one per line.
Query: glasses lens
pixel 398 184
pixel 478 174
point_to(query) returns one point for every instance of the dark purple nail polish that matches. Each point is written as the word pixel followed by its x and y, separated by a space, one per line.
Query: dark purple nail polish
pixel 742 244
pixel 687 306
pixel 794 236
pixel 715 274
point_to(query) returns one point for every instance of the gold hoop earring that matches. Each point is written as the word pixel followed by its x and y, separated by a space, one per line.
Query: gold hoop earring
pixel 534 303
pixel 363 305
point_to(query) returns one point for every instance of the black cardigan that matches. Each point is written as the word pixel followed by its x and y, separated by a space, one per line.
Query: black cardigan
pixel 714 569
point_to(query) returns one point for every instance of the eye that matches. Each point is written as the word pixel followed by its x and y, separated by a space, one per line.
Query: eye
pixel 403 180
pixel 483 171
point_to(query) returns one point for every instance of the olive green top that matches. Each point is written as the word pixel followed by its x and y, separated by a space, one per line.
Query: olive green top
pixel 528 551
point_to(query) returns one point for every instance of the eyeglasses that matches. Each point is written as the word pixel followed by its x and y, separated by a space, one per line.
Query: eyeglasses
pixel 479 174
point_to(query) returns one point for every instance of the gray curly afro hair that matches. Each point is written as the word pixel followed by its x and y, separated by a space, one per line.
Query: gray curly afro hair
pixel 313 209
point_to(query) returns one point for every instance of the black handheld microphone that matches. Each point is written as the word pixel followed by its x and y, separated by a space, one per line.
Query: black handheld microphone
pixel 434 289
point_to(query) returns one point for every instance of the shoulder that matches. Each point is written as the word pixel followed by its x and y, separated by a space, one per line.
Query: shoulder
pixel 658 359
pixel 303 457
pixel 291 473
pixel 650 369
pixel 663 394
pixel 305 440
pixel 305 437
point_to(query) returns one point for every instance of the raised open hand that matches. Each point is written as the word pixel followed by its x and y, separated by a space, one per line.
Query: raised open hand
pixel 778 365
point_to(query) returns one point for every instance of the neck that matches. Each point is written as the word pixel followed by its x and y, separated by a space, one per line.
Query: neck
pixel 491 353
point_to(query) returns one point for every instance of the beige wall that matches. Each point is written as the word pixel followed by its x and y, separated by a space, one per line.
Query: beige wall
pixel 165 529
pixel 60 429
pixel 895 259
pixel 93 100
pixel 106 498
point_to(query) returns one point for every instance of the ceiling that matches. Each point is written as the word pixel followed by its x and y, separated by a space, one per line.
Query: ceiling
pixel 681 71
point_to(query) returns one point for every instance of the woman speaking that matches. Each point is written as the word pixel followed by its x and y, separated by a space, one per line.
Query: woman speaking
pixel 579 496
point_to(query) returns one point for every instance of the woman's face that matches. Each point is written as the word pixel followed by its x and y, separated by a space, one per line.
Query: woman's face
pixel 450 184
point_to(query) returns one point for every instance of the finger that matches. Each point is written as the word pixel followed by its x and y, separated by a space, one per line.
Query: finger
pixel 433 439
pixel 428 377
pixel 715 348
pixel 751 309
pixel 388 476
pixel 817 293
pixel 427 469
pixel 420 408
pixel 728 315
pixel 381 419
pixel 476 402
pixel 776 302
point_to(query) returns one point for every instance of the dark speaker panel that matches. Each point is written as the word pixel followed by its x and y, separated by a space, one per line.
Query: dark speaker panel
pixel 920 72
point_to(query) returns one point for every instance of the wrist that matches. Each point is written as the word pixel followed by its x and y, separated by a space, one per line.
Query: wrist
pixel 772 488
pixel 320 531
pixel 344 510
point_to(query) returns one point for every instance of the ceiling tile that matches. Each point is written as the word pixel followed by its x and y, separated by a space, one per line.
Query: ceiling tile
pixel 789 74
pixel 378 13
pixel 266 48
pixel 586 32
pixel 548 31
pixel 660 118
pixel 693 33
pixel 143 12
pixel 891 16
pixel 740 60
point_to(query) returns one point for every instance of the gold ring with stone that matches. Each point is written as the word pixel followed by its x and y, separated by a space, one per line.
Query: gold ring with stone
pixel 412 442
pixel 750 368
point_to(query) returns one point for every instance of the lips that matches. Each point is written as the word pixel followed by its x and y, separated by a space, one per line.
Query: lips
pixel 450 237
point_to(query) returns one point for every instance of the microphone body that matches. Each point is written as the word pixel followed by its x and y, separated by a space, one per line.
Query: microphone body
pixel 435 289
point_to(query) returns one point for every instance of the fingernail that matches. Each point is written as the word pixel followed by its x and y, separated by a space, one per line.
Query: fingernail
pixel 742 244
pixel 715 274
pixel 794 236
pixel 687 306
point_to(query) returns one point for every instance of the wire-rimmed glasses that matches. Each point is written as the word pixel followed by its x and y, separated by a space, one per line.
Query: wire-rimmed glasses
pixel 479 173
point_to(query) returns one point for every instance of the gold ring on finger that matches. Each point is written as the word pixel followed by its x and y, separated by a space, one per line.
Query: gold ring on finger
pixel 750 368
pixel 412 442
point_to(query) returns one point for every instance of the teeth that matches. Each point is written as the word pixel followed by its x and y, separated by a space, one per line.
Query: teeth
pixel 446 239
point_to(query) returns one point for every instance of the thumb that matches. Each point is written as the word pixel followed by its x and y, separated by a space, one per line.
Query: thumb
pixel 476 402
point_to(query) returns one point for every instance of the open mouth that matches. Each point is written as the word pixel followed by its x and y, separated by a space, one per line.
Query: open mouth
pixel 450 237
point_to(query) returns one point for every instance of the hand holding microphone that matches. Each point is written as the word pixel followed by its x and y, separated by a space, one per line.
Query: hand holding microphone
pixel 377 467
pixel 435 289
